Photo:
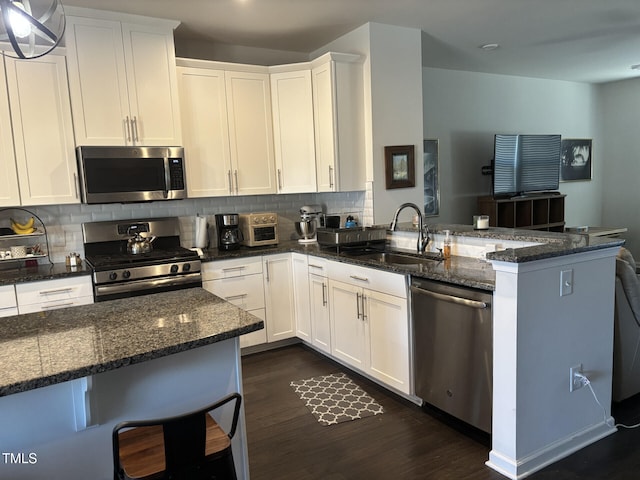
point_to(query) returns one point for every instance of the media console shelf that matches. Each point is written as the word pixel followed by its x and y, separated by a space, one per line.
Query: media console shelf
pixel 534 212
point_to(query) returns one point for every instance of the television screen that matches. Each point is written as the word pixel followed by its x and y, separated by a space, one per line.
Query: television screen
pixel 525 163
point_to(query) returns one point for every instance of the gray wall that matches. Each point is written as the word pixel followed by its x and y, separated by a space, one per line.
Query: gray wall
pixel 463 110
pixel 621 198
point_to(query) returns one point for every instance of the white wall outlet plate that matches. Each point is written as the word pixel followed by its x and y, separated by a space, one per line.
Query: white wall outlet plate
pixel 566 282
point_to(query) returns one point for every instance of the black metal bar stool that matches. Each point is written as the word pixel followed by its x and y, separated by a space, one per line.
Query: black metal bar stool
pixel 191 446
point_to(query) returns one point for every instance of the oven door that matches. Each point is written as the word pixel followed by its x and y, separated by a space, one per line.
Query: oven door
pixel 131 174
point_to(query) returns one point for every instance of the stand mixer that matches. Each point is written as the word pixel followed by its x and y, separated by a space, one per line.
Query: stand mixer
pixel 307 225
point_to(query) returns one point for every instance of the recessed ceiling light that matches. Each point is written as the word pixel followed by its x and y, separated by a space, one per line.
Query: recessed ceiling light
pixel 490 46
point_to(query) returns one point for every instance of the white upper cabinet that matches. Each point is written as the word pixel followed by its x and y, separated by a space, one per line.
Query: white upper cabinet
pixel 294 141
pixel 338 109
pixel 250 132
pixel 203 105
pixel 123 81
pixel 42 130
pixel 9 192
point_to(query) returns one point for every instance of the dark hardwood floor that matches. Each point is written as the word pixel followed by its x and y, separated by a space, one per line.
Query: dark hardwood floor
pixel 286 442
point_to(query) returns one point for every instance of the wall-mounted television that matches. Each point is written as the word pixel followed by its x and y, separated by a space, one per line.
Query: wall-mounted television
pixel 525 164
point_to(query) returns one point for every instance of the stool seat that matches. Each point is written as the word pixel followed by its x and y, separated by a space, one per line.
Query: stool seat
pixel 190 446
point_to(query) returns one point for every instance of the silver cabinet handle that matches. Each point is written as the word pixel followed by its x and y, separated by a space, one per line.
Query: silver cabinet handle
pixel 235 173
pixel 128 126
pixel 361 279
pixel 324 298
pixel 75 184
pixel 57 305
pixel 358 305
pixel 230 182
pixel 312 265
pixel 266 269
pixel 233 297
pixel 363 299
pixel 231 269
pixel 279 179
pixel 330 176
pixel 57 291
pixel 134 128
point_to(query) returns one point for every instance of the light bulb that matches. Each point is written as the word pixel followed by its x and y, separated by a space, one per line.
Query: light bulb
pixel 20 26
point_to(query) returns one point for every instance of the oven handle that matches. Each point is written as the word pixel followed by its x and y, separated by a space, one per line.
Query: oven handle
pixel 138 285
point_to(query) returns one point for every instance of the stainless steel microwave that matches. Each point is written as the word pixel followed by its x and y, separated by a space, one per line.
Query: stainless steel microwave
pixel 131 174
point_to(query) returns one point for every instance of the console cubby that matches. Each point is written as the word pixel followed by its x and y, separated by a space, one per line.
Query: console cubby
pixel 534 212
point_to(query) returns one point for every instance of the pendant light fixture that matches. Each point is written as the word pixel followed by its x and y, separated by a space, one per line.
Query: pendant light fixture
pixel 32 27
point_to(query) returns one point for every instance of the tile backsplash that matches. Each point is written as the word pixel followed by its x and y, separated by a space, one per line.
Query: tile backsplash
pixel 63 222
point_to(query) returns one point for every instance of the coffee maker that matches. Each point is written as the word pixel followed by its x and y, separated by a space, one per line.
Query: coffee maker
pixel 229 234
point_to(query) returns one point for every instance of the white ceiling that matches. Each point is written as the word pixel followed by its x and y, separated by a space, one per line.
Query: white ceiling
pixel 576 40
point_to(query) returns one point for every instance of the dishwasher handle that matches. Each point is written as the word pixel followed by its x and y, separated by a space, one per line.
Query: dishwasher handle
pixel 450 298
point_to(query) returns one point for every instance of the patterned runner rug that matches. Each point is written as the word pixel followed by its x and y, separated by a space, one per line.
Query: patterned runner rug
pixel 335 399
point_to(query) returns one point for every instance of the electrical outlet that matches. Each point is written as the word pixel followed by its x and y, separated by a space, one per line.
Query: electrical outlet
pixel 575 382
pixel 566 282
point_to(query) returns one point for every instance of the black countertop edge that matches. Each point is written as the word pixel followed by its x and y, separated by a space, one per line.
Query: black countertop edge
pixel 41 272
pixel 66 376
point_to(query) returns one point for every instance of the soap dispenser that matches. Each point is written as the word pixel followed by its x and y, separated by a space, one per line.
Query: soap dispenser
pixel 446 244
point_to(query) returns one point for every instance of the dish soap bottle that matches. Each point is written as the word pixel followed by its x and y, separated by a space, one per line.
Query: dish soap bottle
pixel 446 244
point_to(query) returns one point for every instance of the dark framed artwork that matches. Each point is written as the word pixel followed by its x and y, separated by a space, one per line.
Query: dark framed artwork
pixel 576 159
pixel 431 178
pixel 400 169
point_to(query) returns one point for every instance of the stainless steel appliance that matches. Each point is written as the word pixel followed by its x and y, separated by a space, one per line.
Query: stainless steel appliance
pixel 131 174
pixel 119 273
pixel 358 238
pixel 229 234
pixel 259 229
pixel 306 227
pixel 453 358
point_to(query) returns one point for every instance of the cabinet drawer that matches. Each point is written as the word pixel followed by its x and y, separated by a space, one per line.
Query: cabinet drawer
pixel 231 268
pixel 55 304
pixel 371 278
pixel 8 303
pixel 50 291
pixel 318 266
pixel 245 292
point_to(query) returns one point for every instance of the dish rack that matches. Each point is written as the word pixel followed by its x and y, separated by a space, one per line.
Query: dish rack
pixel 23 236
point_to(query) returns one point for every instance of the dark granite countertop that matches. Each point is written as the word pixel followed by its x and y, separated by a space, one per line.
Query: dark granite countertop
pixel 44 348
pixel 41 272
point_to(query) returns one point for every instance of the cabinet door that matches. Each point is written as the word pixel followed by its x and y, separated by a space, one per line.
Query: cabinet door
pixel 278 287
pixel 150 66
pixel 205 131
pixel 42 130
pixel 323 112
pixel 9 192
pixel 388 332
pixel 250 133
pixel 97 81
pixel 320 322
pixel 259 336
pixel 299 264
pixel 294 143
pixel 347 323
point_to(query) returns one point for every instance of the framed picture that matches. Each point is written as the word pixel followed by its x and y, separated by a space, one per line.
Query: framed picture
pixel 575 159
pixel 400 169
pixel 431 178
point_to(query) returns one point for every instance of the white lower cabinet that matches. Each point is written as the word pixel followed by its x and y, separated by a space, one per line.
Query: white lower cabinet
pixel 239 281
pixel 278 292
pixel 320 312
pixel 8 303
pixel 369 328
pixel 53 294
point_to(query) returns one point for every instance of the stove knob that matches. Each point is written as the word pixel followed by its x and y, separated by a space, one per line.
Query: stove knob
pixel 113 276
pixel 126 274
pixel 186 267
pixel 174 268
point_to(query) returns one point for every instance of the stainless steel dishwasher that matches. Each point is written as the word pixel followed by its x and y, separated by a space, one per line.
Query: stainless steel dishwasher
pixel 452 334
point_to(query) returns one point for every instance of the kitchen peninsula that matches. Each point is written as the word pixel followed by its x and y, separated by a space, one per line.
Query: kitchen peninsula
pixel 68 376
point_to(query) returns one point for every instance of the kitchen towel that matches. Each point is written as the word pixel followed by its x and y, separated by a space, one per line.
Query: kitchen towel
pixel 335 399
pixel 200 237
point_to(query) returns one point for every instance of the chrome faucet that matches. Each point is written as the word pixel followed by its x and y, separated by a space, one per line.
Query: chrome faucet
pixel 423 230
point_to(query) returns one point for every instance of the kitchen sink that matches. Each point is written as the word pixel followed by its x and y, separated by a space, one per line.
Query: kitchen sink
pixel 397 258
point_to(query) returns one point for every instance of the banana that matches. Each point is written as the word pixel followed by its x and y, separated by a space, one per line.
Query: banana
pixel 23 229
pixel 23 226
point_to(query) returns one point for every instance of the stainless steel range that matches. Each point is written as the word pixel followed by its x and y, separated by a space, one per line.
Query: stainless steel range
pixel 122 269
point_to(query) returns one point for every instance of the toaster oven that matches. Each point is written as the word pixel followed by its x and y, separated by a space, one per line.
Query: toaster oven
pixel 259 229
